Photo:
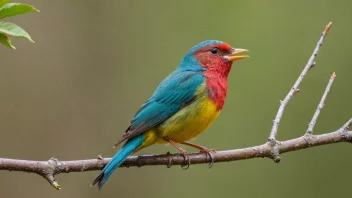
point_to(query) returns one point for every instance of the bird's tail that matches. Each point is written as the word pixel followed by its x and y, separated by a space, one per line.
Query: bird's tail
pixel 127 149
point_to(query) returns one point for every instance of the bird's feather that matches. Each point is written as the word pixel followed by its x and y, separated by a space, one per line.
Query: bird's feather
pixel 175 92
pixel 117 160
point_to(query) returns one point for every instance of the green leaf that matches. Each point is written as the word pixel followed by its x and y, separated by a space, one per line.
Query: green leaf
pixel 5 40
pixel 3 2
pixel 14 30
pixel 12 9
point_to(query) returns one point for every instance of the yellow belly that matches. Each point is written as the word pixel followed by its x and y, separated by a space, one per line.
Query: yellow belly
pixel 188 122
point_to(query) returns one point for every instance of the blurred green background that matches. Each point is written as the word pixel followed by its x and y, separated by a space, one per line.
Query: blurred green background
pixel 72 94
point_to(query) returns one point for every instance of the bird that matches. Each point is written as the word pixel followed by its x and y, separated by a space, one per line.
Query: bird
pixel 183 106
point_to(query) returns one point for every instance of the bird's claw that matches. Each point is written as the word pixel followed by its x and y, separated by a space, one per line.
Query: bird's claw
pixel 169 164
pixel 187 161
pixel 209 152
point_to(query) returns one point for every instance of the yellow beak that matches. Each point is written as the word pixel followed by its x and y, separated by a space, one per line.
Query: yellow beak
pixel 233 57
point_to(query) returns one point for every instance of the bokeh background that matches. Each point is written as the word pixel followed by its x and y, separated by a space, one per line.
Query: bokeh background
pixel 72 94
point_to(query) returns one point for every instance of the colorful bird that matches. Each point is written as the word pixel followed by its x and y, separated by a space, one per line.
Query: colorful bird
pixel 182 107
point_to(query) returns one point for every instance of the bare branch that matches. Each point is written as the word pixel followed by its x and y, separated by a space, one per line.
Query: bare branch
pixel 321 105
pixel 48 169
pixel 272 137
pixel 284 102
pixel 346 126
pixel 271 149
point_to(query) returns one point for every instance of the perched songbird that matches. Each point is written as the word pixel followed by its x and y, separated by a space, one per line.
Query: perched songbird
pixel 183 106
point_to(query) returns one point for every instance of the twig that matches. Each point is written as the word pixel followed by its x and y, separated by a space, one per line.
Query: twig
pixel 271 149
pixel 272 137
pixel 346 126
pixel 53 167
pixel 320 106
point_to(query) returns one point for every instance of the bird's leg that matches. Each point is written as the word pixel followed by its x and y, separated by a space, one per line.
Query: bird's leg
pixel 182 151
pixel 203 149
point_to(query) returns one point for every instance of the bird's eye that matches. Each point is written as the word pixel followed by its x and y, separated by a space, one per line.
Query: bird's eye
pixel 214 50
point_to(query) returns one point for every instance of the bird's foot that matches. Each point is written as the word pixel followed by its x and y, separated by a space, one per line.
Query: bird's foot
pixel 209 153
pixel 202 149
pixel 187 159
pixel 169 164
pixel 184 153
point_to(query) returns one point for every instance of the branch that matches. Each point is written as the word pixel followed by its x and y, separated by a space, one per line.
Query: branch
pixel 271 149
pixel 310 64
pixel 320 106
pixel 52 167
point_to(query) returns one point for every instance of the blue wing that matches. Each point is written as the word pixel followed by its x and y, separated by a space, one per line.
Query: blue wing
pixel 175 92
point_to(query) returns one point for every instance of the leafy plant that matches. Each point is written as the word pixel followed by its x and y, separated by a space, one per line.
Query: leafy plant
pixel 8 9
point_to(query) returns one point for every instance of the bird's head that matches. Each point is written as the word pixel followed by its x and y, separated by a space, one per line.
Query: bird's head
pixel 213 56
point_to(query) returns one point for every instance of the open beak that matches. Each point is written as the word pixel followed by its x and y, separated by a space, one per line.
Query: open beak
pixel 233 56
